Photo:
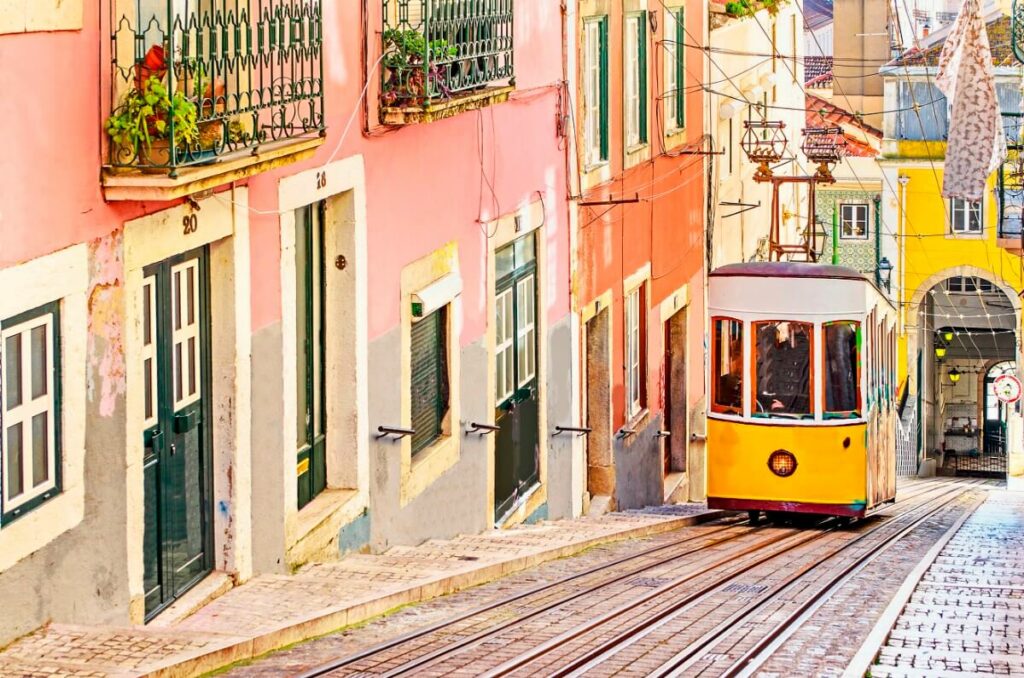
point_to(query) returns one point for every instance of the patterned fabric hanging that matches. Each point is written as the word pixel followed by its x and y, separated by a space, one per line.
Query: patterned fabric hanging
pixel 976 143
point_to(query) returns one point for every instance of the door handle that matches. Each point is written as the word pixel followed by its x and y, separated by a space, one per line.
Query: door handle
pixel 174 448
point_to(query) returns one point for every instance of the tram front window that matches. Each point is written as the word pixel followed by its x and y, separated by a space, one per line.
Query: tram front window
pixel 842 382
pixel 783 360
pixel 727 375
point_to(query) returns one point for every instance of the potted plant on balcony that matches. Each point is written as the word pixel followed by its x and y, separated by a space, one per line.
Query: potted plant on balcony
pixel 141 125
pixel 411 74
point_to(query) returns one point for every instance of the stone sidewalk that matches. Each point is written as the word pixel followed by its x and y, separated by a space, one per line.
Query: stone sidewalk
pixel 965 615
pixel 273 611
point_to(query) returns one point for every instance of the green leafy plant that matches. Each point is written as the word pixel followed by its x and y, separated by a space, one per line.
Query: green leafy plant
pixel 412 63
pixel 149 114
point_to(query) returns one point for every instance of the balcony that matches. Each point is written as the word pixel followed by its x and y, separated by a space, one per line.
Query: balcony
pixel 203 95
pixel 444 57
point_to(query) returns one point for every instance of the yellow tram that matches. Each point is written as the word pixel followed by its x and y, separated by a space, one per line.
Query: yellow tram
pixel 802 407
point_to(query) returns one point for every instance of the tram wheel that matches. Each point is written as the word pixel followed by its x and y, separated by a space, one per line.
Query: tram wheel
pixel 777 517
pixel 754 517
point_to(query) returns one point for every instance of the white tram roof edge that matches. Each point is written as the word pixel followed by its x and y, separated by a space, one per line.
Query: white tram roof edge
pixel 792 290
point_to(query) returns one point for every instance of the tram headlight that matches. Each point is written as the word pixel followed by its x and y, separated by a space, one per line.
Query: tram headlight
pixel 782 463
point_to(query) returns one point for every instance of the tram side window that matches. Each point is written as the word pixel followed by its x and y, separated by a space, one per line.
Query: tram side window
pixel 842 370
pixel 783 375
pixel 728 366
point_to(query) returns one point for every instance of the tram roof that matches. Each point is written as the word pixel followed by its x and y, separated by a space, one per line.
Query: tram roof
pixel 788 269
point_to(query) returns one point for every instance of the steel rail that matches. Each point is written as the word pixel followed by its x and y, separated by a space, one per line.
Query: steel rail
pixel 463 643
pixel 419 633
pixel 765 648
pixel 452 648
pixel 695 651
pixel 643 626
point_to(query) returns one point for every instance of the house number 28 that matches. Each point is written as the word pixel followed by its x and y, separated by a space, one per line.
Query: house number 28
pixel 190 224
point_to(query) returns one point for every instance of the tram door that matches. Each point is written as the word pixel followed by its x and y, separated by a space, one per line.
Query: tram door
pixel 516 445
pixel 176 463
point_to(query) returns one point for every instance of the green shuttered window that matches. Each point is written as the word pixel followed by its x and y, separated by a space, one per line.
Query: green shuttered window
pixel 635 85
pixel 429 367
pixel 30 464
pixel 595 91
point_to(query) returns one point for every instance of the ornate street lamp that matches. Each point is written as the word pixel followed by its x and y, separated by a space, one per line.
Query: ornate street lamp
pixel 884 273
pixel 940 351
pixel 954 375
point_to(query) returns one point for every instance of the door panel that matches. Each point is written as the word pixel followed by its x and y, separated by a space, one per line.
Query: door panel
pixel 176 462
pixel 516 446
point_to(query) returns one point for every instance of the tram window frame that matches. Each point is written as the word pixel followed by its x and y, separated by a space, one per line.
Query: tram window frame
pixel 735 325
pixel 811 358
pixel 858 410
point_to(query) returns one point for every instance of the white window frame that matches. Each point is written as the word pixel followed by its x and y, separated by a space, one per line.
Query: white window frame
pixel 633 309
pixel 966 218
pixel 593 77
pixel 852 218
pixel 504 345
pixel 631 81
pixel 526 292
pixel 28 408
pixel 671 70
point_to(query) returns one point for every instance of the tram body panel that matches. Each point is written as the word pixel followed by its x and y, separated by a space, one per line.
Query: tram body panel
pixel 830 475
pixel 802 363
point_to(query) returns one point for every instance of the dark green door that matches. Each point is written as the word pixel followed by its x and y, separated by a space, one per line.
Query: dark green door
pixel 516 446
pixel 176 466
pixel 311 465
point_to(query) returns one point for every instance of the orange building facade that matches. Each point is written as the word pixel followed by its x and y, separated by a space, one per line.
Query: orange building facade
pixel 639 270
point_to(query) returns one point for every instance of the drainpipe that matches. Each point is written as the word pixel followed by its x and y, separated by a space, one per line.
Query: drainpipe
pixel 835 236
pixel 878 239
pixel 902 245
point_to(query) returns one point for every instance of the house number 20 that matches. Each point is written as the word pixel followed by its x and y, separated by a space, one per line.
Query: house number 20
pixel 190 224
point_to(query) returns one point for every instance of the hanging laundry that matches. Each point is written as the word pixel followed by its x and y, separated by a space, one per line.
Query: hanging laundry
pixel 976 143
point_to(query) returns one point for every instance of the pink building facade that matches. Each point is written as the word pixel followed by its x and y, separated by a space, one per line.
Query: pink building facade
pixel 329 312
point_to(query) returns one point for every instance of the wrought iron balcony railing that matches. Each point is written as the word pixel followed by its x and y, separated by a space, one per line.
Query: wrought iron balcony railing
pixel 196 80
pixel 436 50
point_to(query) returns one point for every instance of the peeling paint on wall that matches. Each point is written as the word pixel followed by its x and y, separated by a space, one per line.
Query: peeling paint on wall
pixel 106 337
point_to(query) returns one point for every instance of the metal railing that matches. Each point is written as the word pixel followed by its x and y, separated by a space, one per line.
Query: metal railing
pixel 440 49
pixel 907 459
pixel 194 80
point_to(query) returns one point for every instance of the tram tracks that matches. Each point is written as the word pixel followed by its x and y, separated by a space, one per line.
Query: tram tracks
pixel 429 651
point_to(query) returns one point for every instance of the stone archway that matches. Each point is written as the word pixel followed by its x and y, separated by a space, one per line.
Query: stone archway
pixel 927 314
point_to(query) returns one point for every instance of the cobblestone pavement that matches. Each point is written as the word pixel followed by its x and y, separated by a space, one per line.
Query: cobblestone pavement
pixel 819 640
pixel 966 616
pixel 273 611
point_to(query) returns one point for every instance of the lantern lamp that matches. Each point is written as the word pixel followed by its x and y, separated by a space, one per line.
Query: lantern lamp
pixel 885 273
pixel 940 351
pixel 954 375
pixel 948 336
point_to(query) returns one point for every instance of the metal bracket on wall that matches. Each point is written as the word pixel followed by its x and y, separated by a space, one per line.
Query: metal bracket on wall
pixel 663 434
pixel 611 201
pixel 580 431
pixel 697 438
pixel 395 431
pixel 743 207
pixel 482 429
pixel 626 432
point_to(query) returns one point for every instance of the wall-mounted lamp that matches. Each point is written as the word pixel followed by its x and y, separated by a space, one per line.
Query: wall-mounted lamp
pixel 884 273
pixel 940 351
pixel 954 375
pixel 947 336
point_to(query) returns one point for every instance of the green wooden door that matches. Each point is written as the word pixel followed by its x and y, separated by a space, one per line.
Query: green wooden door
pixel 176 466
pixel 516 446
pixel 311 463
